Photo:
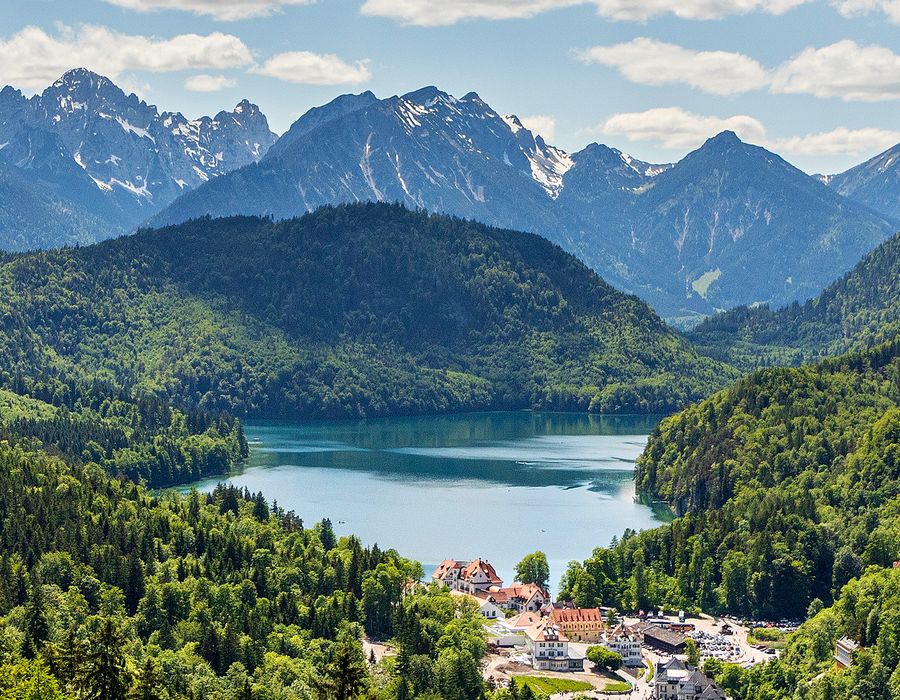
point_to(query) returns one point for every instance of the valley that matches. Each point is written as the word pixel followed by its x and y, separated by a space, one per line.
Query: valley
pixel 409 403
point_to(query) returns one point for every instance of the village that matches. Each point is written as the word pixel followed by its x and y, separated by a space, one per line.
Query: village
pixel 602 654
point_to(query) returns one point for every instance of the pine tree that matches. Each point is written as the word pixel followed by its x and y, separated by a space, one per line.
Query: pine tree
pixel 147 687
pixel 37 628
pixel 108 676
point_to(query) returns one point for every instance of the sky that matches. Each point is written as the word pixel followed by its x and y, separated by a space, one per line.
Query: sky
pixel 817 81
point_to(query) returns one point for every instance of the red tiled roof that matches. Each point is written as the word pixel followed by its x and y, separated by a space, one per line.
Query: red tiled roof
pixel 525 619
pixel 482 565
pixel 445 567
pixel 498 596
pixel 577 615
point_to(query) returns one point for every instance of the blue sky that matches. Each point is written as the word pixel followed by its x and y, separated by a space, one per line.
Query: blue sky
pixel 817 81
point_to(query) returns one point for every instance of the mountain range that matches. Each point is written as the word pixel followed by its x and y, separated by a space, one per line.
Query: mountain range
pixel 83 161
pixel 729 224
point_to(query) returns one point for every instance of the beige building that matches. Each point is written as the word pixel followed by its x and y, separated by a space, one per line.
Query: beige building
pixel 579 624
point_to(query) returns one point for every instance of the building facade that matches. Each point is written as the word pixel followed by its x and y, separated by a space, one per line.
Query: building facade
pixel 675 680
pixel 579 624
pixel 549 649
pixel 625 645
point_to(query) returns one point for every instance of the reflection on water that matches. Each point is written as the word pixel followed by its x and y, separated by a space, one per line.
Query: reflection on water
pixel 497 485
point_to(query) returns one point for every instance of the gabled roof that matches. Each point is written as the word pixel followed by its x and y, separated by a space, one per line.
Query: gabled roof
pixel 671 671
pixel 665 636
pixel 526 591
pixel 546 631
pixel 524 620
pixel 445 567
pixel 577 615
pixel 848 643
pixel 485 567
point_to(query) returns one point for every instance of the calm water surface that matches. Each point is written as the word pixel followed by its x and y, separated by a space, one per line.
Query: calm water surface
pixel 497 485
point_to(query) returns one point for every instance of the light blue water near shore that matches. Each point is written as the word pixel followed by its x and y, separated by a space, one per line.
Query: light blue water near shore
pixel 497 485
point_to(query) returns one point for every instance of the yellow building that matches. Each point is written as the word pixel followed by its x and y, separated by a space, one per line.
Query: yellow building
pixel 579 624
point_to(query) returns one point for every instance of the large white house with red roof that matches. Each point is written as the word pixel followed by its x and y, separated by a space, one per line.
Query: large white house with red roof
pixel 467 576
pixel 549 649
pixel 478 575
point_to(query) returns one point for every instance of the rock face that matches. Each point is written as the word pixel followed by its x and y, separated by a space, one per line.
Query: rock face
pixel 114 155
pixel 875 183
pixel 729 224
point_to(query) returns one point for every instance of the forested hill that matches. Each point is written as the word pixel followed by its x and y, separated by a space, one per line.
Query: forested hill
pixel 110 592
pixel 856 312
pixel 349 311
pixel 787 484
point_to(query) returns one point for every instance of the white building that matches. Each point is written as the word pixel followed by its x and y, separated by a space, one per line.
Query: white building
pixel 675 680
pixel 486 606
pixel 628 646
pixel 843 651
pixel 549 649
pixel 448 572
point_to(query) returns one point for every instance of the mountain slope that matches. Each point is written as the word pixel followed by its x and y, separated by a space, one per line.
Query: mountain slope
pixel 36 214
pixel 729 224
pixel 875 183
pixel 114 155
pixel 351 311
pixel 786 486
pixel 736 224
pixel 856 312
pixel 426 149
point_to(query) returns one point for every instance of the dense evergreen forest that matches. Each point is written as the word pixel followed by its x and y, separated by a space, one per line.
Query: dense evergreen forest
pixel 124 365
pixel 110 592
pixel 350 311
pixel 786 485
pixel 856 312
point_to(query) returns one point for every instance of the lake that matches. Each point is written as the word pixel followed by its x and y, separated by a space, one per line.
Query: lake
pixel 496 485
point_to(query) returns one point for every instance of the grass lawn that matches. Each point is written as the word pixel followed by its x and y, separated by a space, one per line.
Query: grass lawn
pixel 616 687
pixel 547 686
pixel 768 637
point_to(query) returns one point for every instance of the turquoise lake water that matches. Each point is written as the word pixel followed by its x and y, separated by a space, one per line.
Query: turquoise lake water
pixel 495 485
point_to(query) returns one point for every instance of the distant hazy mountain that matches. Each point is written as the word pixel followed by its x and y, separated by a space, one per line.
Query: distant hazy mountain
pixel 858 311
pixel 114 156
pixel 735 224
pixel 875 183
pixel 729 224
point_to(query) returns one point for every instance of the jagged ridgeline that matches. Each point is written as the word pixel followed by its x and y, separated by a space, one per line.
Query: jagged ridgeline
pixel 350 311
pixel 786 485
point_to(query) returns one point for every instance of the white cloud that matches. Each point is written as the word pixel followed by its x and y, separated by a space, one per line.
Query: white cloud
pixel 642 10
pixel 675 128
pixel 433 13
pixel 32 58
pixel 843 69
pixel 853 8
pixel 542 124
pixel 651 62
pixel 310 68
pixel 841 141
pixel 208 83
pixel 223 10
